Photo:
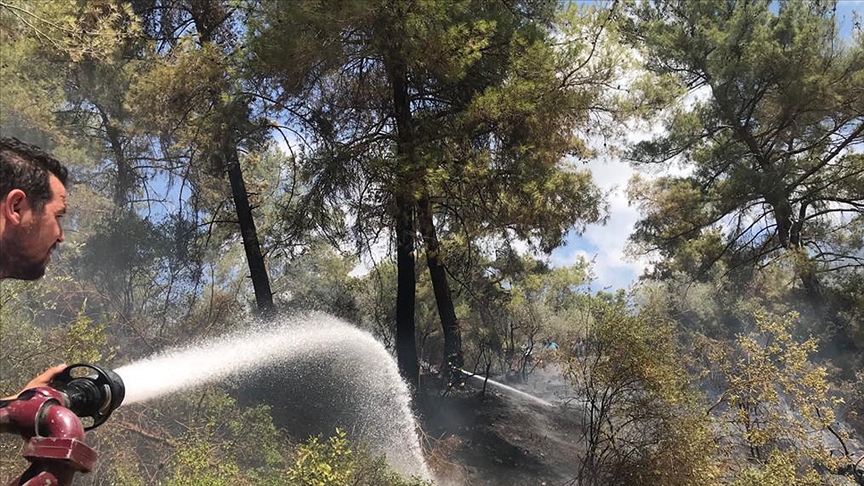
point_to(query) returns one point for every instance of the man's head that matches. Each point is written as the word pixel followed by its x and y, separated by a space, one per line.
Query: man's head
pixel 32 201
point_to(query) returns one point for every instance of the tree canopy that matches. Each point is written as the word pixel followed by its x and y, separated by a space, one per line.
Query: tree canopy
pixel 771 137
pixel 408 166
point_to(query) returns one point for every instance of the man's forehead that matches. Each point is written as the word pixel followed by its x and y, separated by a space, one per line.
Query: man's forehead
pixel 54 181
pixel 58 189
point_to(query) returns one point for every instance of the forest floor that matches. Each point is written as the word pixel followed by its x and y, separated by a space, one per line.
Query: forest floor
pixel 500 438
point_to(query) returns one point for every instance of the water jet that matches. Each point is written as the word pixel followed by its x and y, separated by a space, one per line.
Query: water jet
pixel 508 389
pixel 327 371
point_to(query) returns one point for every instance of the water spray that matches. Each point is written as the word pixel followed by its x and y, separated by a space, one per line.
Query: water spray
pixel 324 372
pixel 52 419
pixel 508 389
pixel 331 368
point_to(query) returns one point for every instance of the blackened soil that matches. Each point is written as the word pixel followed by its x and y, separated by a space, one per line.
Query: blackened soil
pixel 497 439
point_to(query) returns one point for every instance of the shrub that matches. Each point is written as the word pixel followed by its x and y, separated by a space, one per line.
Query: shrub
pixel 333 463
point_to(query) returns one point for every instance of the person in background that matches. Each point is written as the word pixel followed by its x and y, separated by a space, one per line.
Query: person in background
pixel 32 202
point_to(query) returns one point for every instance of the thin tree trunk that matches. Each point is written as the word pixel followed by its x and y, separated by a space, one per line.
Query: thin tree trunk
pixel 208 16
pixel 257 269
pixel 444 300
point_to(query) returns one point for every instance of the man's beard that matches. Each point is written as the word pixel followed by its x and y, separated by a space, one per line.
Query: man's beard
pixel 19 265
pixel 33 271
pixel 25 269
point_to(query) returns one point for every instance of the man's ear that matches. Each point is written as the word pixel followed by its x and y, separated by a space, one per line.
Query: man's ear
pixel 14 205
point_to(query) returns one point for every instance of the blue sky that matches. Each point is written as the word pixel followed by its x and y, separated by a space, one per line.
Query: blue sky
pixel 846 10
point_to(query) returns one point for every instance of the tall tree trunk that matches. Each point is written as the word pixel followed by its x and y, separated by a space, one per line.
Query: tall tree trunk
pixel 406 346
pixel 444 300
pixel 257 269
pixel 208 16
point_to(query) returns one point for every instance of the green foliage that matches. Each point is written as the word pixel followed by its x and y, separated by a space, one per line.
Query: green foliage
pixel 767 391
pixel 319 279
pixel 195 465
pixel 855 415
pixel 641 419
pixel 764 135
pixel 781 469
pixel 43 42
pixel 123 475
pixel 762 107
pixel 334 463
pixel 227 444
pixel 82 341
pixel 490 106
pixel 23 309
pixel 322 464
pixel 174 98
pixel 774 399
pixel 542 305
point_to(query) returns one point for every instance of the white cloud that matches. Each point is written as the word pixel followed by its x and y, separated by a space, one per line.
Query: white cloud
pixel 605 244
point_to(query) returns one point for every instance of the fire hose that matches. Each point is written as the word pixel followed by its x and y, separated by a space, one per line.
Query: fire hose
pixel 53 420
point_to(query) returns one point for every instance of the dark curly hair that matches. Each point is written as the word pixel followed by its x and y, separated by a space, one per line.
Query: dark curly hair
pixel 26 167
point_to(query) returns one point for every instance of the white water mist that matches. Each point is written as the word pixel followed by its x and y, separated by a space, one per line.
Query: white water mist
pixel 362 374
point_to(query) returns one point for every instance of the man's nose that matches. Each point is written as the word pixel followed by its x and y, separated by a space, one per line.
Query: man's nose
pixel 61 237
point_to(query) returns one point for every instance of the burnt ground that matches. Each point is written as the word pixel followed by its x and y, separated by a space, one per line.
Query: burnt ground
pixel 498 439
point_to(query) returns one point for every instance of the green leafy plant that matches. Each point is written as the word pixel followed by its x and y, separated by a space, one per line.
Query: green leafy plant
pixel 332 462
